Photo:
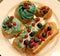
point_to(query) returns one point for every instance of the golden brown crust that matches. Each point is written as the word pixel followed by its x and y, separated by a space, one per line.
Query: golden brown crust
pixel 38 48
pixel 16 47
pixel 22 20
pixel 47 15
pixel 14 34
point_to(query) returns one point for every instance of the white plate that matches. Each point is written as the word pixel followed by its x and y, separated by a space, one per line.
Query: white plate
pixel 51 44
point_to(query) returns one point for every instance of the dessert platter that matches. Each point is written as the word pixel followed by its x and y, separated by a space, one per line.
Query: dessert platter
pixel 31 28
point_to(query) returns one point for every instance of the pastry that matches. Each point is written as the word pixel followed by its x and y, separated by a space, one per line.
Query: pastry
pixel 33 28
pixel 12 27
pixel 35 44
pixel 25 11
pixel 39 42
pixel 44 11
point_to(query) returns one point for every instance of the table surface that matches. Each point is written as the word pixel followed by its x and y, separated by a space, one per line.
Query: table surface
pixel 5 48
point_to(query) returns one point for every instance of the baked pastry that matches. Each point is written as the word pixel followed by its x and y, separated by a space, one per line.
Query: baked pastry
pixel 12 27
pixel 25 11
pixel 31 30
pixel 38 42
pixel 35 44
pixel 44 11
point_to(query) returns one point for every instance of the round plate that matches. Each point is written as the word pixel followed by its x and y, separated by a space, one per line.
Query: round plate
pixel 51 44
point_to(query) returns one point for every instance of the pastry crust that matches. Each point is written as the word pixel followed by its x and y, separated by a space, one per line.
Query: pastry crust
pixel 38 48
pixel 14 34
pixel 17 48
pixel 47 15
pixel 22 20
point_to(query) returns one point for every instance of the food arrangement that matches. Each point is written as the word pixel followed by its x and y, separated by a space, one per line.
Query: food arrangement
pixel 30 27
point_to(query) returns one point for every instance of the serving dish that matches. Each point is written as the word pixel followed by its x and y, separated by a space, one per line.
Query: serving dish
pixel 52 43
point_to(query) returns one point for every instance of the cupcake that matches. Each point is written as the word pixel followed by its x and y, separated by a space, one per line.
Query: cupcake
pixel 25 11
pixel 12 27
pixel 43 11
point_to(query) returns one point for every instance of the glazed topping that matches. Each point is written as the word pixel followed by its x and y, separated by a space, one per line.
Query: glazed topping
pixel 26 42
pixel 34 44
pixel 29 30
pixel 32 34
pixel 49 28
pixel 28 34
pixel 44 34
pixel 49 32
pixel 7 22
pixel 45 30
pixel 37 19
pixel 45 7
pixel 21 40
pixel 39 25
pixel 11 25
pixel 36 40
pixel 26 10
pixel 40 37
pixel 26 5
pixel 11 17
pixel 31 41
pixel 44 10
pixel 31 45
pixel 33 24
pixel 14 23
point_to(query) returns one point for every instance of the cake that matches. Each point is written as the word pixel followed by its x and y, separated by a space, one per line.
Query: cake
pixel 25 11
pixel 11 26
